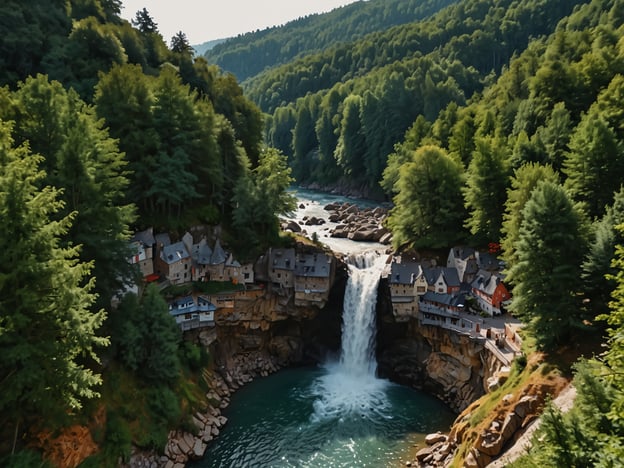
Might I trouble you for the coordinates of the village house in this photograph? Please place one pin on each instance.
(174, 263)
(247, 273)
(312, 278)
(490, 292)
(200, 255)
(281, 269)
(216, 266)
(441, 307)
(192, 312)
(142, 245)
(407, 282)
(442, 280)
(464, 260)
(232, 270)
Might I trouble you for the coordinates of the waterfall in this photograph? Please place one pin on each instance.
(358, 316)
(350, 388)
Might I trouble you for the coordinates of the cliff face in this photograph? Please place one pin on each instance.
(272, 328)
(453, 367)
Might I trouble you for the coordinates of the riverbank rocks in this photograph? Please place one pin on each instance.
(183, 446)
(359, 224)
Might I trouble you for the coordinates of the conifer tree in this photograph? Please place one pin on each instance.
(546, 275)
(523, 183)
(47, 330)
(487, 179)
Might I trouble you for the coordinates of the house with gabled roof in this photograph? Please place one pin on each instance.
(281, 269)
(464, 260)
(216, 266)
(490, 291)
(142, 247)
(407, 282)
(232, 270)
(312, 278)
(442, 280)
(174, 262)
(192, 312)
(200, 255)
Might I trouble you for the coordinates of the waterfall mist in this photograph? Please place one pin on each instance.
(350, 387)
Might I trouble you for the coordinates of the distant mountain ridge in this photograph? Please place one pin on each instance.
(201, 49)
(249, 54)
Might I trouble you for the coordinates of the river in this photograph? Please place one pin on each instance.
(338, 414)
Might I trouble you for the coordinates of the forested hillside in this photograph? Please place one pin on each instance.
(339, 113)
(249, 54)
(104, 130)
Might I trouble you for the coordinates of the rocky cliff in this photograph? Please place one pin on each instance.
(261, 334)
(455, 368)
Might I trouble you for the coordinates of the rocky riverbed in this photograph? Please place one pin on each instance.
(344, 220)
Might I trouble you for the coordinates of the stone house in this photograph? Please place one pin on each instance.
(464, 260)
(232, 270)
(200, 255)
(247, 273)
(216, 266)
(142, 246)
(407, 282)
(490, 292)
(174, 262)
(192, 312)
(442, 280)
(312, 278)
(281, 269)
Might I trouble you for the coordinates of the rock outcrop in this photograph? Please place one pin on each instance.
(359, 224)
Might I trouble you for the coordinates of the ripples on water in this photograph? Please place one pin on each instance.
(313, 417)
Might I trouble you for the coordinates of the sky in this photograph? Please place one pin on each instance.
(205, 20)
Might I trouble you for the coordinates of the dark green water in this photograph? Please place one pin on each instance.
(323, 417)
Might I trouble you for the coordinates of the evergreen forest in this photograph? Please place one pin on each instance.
(484, 122)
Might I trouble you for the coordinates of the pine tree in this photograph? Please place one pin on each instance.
(487, 179)
(546, 276)
(523, 183)
(47, 331)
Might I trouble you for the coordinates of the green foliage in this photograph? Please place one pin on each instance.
(249, 54)
(428, 208)
(523, 183)
(48, 333)
(546, 275)
(259, 197)
(595, 164)
(85, 162)
(118, 437)
(24, 459)
(146, 337)
(487, 179)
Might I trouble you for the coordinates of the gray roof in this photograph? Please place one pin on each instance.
(145, 237)
(174, 253)
(487, 261)
(163, 238)
(218, 254)
(232, 262)
(282, 259)
(454, 300)
(450, 275)
(404, 273)
(315, 265)
(203, 254)
(460, 253)
(187, 305)
(486, 282)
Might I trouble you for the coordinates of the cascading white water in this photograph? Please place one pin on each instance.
(350, 387)
(358, 316)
